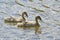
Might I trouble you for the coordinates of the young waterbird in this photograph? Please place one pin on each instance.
(31, 24)
(16, 20)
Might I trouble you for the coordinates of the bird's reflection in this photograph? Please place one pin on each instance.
(37, 31)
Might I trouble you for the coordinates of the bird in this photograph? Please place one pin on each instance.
(31, 24)
(16, 20)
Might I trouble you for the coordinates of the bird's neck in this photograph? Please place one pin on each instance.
(37, 21)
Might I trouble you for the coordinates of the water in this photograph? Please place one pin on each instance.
(49, 10)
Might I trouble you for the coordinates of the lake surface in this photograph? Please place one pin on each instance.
(49, 10)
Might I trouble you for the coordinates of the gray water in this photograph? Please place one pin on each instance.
(49, 10)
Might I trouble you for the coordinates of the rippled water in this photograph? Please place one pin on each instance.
(49, 10)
